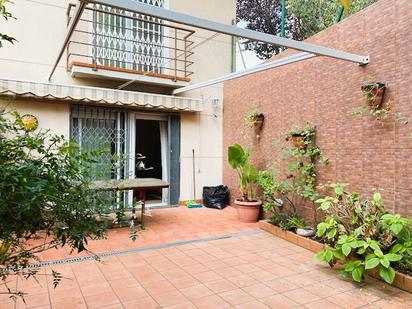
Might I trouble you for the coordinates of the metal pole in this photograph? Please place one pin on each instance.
(72, 26)
(340, 14)
(201, 23)
(282, 24)
(262, 67)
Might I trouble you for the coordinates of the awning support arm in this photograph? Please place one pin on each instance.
(197, 22)
(259, 68)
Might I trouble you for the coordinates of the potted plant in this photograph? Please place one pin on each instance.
(248, 207)
(301, 137)
(373, 93)
(255, 119)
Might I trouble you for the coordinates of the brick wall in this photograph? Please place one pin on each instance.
(362, 151)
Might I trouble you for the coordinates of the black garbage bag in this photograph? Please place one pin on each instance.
(216, 197)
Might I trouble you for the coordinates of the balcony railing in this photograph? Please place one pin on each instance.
(111, 39)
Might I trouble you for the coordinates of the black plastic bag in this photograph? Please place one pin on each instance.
(216, 197)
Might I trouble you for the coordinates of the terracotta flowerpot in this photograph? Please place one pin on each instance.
(298, 141)
(248, 212)
(377, 92)
(258, 124)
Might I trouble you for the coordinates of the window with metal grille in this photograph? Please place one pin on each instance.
(132, 41)
(101, 129)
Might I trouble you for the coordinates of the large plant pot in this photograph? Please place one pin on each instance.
(248, 212)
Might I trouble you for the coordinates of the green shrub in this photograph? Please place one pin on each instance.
(362, 235)
(45, 196)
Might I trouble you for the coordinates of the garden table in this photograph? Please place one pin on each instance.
(138, 185)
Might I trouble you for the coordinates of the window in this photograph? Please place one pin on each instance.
(133, 42)
(101, 129)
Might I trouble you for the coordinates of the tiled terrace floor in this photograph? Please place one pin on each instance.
(248, 270)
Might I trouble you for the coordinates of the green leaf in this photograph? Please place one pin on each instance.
(331, 234)
(385, 262)
(321, 229)
(393, 257)
(346, 249)
(357, 274)
(372, 263)
(236, 156)
(387, 274)
(396, 228)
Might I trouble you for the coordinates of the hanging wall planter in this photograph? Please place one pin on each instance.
(298, 141)
(373, 93)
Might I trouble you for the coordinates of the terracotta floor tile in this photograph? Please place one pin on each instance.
(301, 296)
(259, 290)
(242, 280)
(236, 297)
(159, 287)
(130, 294)
(249, 272)
(221, 285)
(279, 301)
(346, 300)
(33, 300)
(281, 285)
(184, 282)
(73, 304)
(252, 305)
(196, 291)
(142, 303)
(99, 300)
(170, 298)
(94, 289)
(211, 302)
(207, 276)
(185, 305)
(322, 303)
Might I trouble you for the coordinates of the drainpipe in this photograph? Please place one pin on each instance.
(340, 14)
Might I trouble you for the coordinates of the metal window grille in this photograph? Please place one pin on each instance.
(103, 130)
(128, 43)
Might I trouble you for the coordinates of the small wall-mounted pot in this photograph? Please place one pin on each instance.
(298, 141)
(258, 124)
(373, 94)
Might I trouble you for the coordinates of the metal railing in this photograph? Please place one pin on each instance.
(111, 39)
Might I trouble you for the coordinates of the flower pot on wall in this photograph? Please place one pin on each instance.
(298, 141)
(373, 94)
(248, 212)
(258, 124)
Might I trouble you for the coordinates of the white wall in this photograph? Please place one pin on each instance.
(40, 29)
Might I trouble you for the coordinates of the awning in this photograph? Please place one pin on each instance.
(82, 94)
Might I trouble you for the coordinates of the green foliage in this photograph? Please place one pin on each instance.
(45, 196)
(251, 118)
(6, 15)
(362, 235)
(315, 15)
(287, 221)
(303, 162)
(239, 159)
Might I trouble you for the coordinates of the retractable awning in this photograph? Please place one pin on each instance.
(82, 94)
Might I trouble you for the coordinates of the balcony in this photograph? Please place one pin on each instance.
(112, 44)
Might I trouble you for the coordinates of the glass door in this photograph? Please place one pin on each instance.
(150, 149)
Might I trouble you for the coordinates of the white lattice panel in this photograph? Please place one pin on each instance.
(127, 43)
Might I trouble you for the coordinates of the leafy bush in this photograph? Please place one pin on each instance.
(362, 235)
(287, 221)
(45, 199)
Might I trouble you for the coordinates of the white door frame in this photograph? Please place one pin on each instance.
(133, 116)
